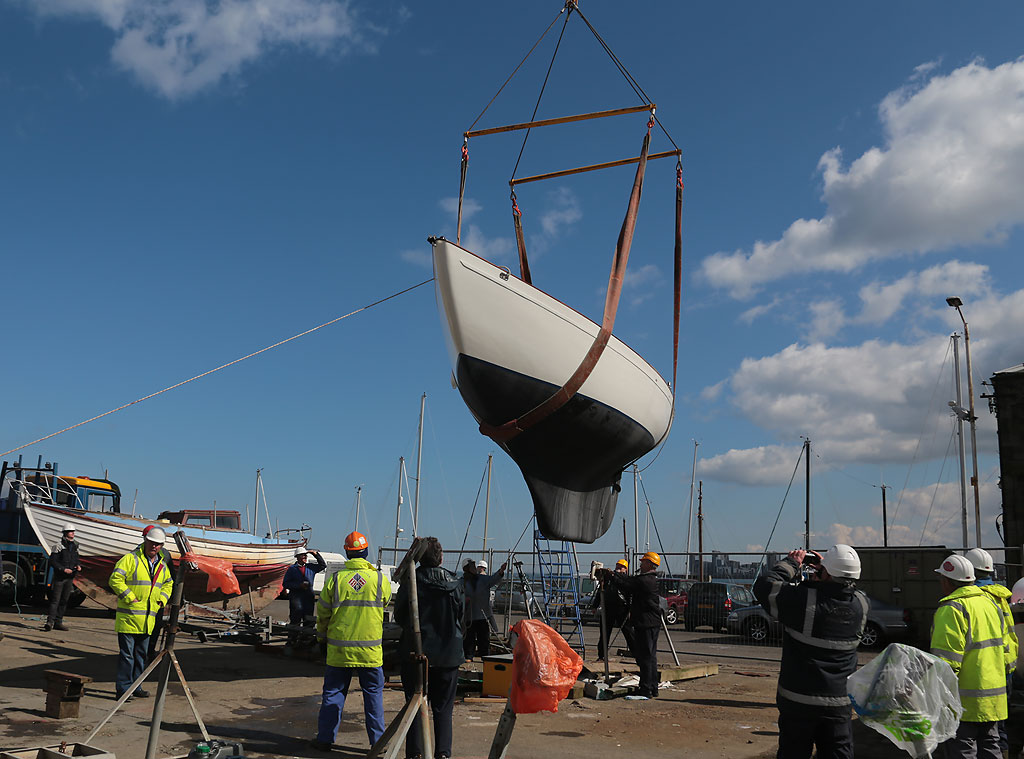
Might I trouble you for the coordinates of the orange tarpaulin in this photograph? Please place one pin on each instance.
(219, 572)
(544, 668)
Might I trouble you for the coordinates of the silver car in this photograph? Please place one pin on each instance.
(885, 623)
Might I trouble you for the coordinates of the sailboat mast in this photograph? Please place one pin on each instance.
(807, 494)
(256, 503)
(419, 465)
(398, 508)
(689, 516)
(636, 514)
(359, 494)
(487, 502)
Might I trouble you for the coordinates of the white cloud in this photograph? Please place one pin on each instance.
(880, 302)
(756, 312)
(417, 257)
(641, 283)
(827, 318)
(181, 47)
(562, 211)
(877, 402)
(764, 465)
(951, 172)
(469, 207)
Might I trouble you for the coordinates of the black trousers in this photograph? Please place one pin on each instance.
(60, 592)
(441, 685)
(627, 634)
(833, 736)
(478, 639)
(645, 651)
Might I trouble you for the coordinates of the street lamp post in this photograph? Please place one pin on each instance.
(956, 303)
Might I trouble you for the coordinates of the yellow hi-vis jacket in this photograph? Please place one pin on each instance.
(1001, 596)
(140, 592)
(967, 633)
(350, 615)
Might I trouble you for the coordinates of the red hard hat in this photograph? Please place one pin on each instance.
(356, 541)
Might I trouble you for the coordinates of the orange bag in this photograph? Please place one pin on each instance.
(544, 668)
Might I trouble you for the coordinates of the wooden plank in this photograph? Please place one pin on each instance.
(688, 672)
(559, 120)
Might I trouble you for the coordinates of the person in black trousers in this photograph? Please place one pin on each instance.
(617, 605)
(644, 618)
(441, 605)
(64, 561)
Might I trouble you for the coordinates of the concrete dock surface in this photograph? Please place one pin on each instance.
(269, 704)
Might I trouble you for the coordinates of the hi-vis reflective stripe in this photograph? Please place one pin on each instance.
(803, 698)
(137, 612)
(125, 594)
(812, 605)
(354, 643)
(943, 654)
(863, 601)
(133, 581)
(990, 643)
(835, 645)
(983, 692)
(120, 572)
(773, 606)
(354, 602)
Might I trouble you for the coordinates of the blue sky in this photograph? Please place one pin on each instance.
(186, 182)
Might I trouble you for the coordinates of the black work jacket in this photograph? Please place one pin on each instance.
(642, 589)
(441, 605)
(822, 623)
(64, 557)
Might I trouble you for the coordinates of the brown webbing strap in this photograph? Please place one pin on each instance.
(524, 264)
(678, 279)
(462, 187)
(542, 411)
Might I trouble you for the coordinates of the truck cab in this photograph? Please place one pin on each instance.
(23, 561)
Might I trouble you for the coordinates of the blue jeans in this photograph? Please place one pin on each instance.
(131, 660)
(336, 682)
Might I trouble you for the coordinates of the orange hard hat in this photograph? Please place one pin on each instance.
(653, 557)
(356, 541)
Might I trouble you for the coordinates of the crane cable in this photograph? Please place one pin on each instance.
(222, 366)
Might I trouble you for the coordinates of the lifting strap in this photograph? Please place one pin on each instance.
(524, 264)
(510, 429)
(678, 276)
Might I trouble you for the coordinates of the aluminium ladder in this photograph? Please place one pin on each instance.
(558, 575)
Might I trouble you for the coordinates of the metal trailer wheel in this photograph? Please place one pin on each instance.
(12, 580)
(671, 615)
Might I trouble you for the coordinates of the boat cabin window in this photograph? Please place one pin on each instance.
(200, 520)
(229, 521)
(102, 502)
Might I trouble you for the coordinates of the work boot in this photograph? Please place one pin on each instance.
(320, 745)
(139, 693)
(47, 627)
(60, 626)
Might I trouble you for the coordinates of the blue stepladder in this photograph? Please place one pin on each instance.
(556, 561)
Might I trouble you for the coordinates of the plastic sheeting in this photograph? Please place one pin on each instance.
(544, 668)
(909, 696)
(219, 573)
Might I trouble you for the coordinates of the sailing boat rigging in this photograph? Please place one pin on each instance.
(571, 404)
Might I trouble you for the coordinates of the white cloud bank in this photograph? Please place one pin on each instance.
(951, 173)
(181, 47)
(865, 403)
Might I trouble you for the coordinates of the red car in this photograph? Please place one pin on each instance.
(673, 590)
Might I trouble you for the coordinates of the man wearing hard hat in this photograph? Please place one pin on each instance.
(142, 582)
(968, 634)
(616, 606)
(823, 620)
(64, 562)
(298, 581)
(644, 617)
(350, 625)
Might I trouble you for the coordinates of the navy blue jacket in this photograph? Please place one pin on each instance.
(442, 603)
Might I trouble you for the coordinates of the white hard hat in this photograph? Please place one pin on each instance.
(1018, 592)
(300, 550)
(481, 564)
(155, 535)
(842, 561)
(958, 568)
(981, 559)
(68, 527)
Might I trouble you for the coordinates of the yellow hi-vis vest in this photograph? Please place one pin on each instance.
(1001, 596)
(350, 615)
(967, 633)
(140, 592)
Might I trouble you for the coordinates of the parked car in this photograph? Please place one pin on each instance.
(674, 591)
(711, 603)
(885, 623)
(590, 612)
